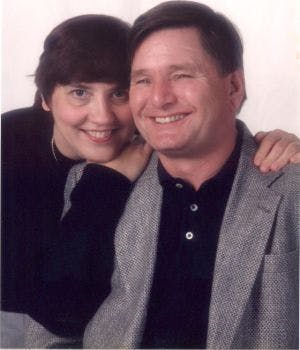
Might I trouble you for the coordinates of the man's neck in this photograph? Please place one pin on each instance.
(197, 170)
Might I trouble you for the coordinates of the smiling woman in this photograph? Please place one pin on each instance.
(81, 112)
(92, 121)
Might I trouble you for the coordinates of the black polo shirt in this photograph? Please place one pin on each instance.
(178, 308)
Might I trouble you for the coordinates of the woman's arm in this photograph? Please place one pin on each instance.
(277, 148)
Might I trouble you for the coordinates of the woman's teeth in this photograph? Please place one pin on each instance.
(99, 134)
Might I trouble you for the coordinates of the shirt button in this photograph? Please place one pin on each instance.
(194, 207)
(189, 235)
(179, 185)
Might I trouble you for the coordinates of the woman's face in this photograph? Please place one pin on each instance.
(92, 121)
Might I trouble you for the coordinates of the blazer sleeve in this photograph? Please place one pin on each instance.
(39, 337)
(73, 178)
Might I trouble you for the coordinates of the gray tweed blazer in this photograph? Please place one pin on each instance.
(254, 302)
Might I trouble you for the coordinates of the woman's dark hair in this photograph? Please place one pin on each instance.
(219, 37)
(88, 48)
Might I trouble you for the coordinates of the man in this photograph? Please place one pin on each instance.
(206, 250)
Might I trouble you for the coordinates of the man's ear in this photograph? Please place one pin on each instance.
(237, 90)
(45, 105)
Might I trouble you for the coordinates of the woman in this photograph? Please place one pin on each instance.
(82, 79)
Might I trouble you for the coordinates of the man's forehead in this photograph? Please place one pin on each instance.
(171, 48)
(167, 40)
(173, 33)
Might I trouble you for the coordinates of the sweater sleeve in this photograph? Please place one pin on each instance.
(99, 189)
(76, 271)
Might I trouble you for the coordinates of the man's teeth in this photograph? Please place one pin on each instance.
(170, 119)
(99, 134)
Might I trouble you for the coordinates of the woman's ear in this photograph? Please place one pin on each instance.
(45, 105)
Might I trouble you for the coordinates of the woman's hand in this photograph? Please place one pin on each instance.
(277, 148)
(132, 160)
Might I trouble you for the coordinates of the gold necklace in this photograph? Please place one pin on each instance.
(53, 149)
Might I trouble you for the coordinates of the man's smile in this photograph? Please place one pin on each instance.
(169, 119)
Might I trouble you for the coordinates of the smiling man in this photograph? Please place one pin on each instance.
(206, 251)
(183, 103)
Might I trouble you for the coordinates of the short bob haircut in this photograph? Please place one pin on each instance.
(219, 37)
(88, 48)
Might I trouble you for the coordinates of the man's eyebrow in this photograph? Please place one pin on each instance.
(185, 66)
(137, 73)
(193, 67)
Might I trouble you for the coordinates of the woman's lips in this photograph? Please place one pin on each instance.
(99, 136)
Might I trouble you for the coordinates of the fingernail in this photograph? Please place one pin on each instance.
(257, 161)
(264, 169)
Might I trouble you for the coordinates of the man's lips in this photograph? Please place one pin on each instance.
(167, 119)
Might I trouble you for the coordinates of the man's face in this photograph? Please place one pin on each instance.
(181, 104)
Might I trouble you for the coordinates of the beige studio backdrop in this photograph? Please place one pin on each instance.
(270, 31)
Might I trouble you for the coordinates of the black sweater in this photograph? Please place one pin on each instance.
(48, 267)
(32, 200)
(77, 270)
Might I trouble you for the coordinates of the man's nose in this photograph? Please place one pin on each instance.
(162, 94)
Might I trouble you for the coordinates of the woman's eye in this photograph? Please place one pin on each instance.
(120, 95)
(79, 93)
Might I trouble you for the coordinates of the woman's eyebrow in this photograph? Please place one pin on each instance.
(80, 85)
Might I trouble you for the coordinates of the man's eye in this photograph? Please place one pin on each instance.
(144, 81)
(181, 76)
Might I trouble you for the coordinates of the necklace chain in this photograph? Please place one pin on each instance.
(53, 149)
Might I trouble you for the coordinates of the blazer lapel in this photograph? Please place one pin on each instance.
(119, 320)
(137, 233)
(243, 238)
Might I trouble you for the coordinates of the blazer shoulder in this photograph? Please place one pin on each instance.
(284, 181)
(287, 185)
(289, 179)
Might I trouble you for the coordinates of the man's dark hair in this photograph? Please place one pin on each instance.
(219, 37)
(88, 48)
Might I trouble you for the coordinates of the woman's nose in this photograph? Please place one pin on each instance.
(101, 111)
